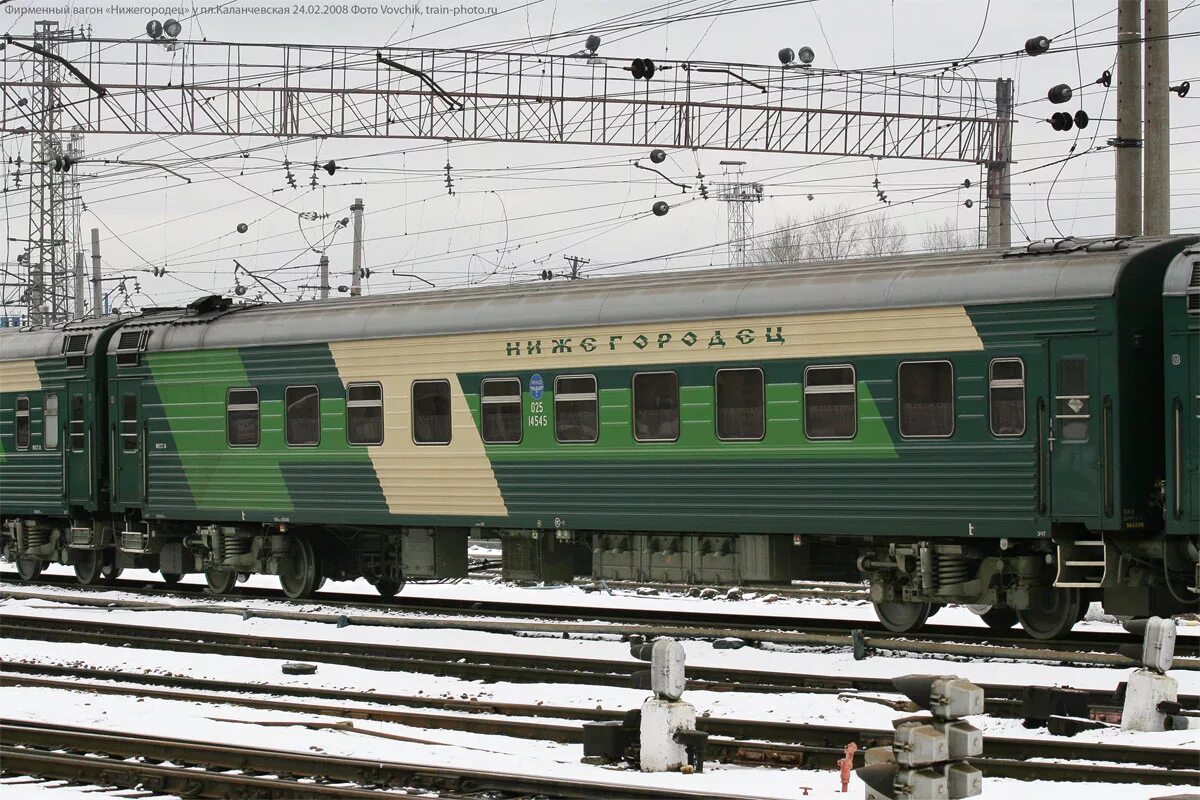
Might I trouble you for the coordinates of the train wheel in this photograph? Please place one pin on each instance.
(998, 619)
(171, 578)
(303, 574)
(88, 564)
(220, 581)
(111, 572)
(29, 568)
(1054, 618)
(901, 616)
(388, 587)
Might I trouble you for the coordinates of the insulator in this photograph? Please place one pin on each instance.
(658, 155)
(660, 208)
(1081, 119)
(1037, 45)
(242, 227)
(1060, 94)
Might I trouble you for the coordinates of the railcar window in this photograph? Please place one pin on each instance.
(501, 410)
(302, 416)
(830, 402)
(656, 407)
(364, 413)
(22, 417)
(129, 423)
(741, 404)
(77, 432)
(241, 418)
(576, 409)
(431, 412)
(50, 422)
(926, 390)
(1074, 402)
(1006, 396)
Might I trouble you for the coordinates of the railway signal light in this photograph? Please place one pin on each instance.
(61, 163)
(926, 761)
(666, 674)
(1157, 650)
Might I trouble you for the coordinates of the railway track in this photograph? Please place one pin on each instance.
(199, 769)
(1080, 648)
(734, 741)
(1002, 700)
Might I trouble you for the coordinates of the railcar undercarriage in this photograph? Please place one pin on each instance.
(1045, 585)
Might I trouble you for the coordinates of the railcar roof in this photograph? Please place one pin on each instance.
(25, 343)
(1050, 270)
(1055, 270)
(1181, 274)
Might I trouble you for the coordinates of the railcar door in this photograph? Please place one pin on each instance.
(79, 446)
(128, 446)
(1075, 441)
(1190, 433)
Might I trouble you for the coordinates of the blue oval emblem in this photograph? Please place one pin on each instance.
(536, 386)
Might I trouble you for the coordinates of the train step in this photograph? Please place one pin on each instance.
(1082, 564)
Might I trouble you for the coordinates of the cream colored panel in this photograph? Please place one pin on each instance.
(427, 479)
(458, 478)
(19, 376)
(910, 330)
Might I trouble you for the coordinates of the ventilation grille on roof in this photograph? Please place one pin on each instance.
(1193, 290)
(130, 347)
(75, 348)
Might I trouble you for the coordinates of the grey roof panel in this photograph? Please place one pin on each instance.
(1179, 274)
(1070, 269)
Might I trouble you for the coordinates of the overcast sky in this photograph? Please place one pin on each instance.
(503, 225)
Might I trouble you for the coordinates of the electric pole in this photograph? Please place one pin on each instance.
(739, 196)
(576, 262)
(1128, 143)
(97, 287)
(324, 276)
(1157, 179)
(999, 180)
(356, 276)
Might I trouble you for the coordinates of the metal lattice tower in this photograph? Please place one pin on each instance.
(739, 197)
(50, 289)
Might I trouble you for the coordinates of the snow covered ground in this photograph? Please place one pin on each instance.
(233, 724)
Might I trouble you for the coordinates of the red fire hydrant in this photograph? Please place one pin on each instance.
(847, 764)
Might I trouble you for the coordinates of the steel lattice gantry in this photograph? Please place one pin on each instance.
(230, 89)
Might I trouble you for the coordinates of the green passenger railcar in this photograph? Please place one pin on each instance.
(1181, 371)
(980, 428)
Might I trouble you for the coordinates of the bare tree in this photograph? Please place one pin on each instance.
(943, 237)
(821, 237)
(879, 236)
(833, 235)
(787, 244)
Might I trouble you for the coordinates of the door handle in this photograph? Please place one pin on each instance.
(1051, 440)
